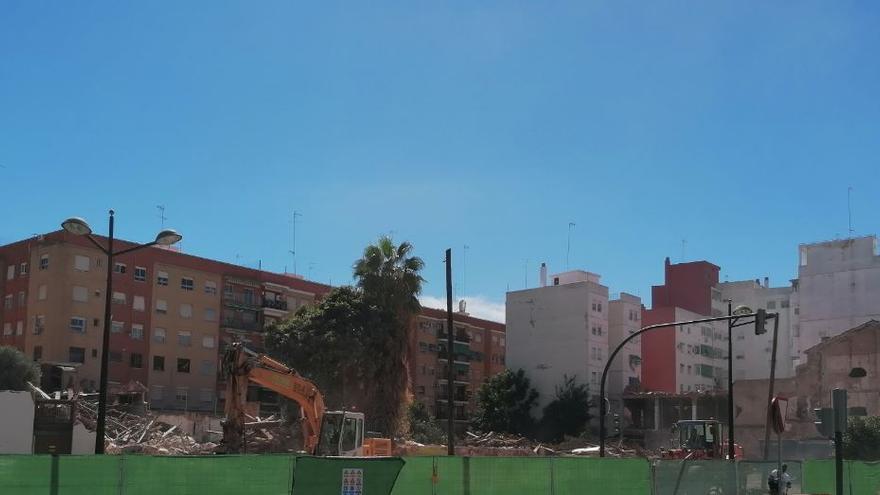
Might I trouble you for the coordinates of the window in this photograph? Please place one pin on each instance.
(159, 335)
(137, 331)
(38, 352)
(157, 392)
(78, 324)
(421, 390)
(23, 270)
(184, 338)
(594, 306)
(161, 306)
(44, 262)
(598, 353)
(181, 394)
(42, 293)
(39, 324)
(207, 368)
(797, 310)
(740, 356)
(771, 304)
(600, 307)
(119, 267)
(158, 363)
(81, 263)
(186, 310)
(249, 296)
(210, 314)
(80, 294)
(10, 272)
(228, 293)
(119, 297)
(206, 395)
(19, 327)
(7, 328)
(76, 354)
(136, 360)
(162, 278)
(117, 327)
(140, 274)
(137, 303)
(690, 349)
(182, 365)
(211, 287)
(690, 370)
(593, 330)
(784, 303)
(187, 283)
(208, 342)
(22, 299)
(7, 301)
(681, 368)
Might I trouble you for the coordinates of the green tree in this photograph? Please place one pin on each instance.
(568, 413)
(423, 428)
(504, 404)
(861, 441)
(16, 370)
(353, 343)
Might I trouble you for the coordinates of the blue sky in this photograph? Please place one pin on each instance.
(485, 124)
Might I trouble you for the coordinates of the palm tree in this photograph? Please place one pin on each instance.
(390, 277)
(390, 280)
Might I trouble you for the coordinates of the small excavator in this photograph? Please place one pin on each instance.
(325, 433)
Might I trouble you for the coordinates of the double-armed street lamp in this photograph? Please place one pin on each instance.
(78, 226)
(735, 318)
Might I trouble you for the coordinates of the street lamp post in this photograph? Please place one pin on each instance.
(80, 227)
(740, 312)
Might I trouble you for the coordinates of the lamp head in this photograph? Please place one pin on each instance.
(76, 226)
(168, 237)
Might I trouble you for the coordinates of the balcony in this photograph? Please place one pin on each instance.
(240, 324)
(279, 305)
(460, 336)
(458, 357)
(242, 301)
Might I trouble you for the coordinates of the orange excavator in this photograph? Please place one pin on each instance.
(325, 433)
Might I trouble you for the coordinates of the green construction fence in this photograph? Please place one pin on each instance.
(293, 475)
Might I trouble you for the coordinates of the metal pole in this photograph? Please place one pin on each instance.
(731, 451)
(450, 375)
(838, 402)
(772, 383)
(105, 350)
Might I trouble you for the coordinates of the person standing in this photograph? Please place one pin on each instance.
(779, 484)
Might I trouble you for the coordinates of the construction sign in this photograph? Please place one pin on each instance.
(352, 482)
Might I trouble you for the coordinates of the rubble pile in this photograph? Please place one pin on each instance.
(270, 435)
(129, 433)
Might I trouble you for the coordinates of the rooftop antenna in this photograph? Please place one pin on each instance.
(162, 216)
(292, 249)
(568, 245)
(849, 209)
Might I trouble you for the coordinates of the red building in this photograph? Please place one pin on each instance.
(686, 358)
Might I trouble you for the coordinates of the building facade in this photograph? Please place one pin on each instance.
(172, 313)
(838, 288)
(685, 358)
(478, 354)
(625, 319)
(752, 353)
(558, 331)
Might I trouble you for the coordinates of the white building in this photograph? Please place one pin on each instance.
(624, 319)
(752, 353)
(559, 330)
(701, 354)
(838, 288)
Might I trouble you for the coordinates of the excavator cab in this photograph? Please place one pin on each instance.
(342, 434)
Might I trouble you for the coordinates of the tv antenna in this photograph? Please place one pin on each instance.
(292, 249)
(162, 216)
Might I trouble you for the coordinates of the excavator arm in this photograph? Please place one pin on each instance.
(242, 366)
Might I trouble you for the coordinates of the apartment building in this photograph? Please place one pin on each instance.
(478, 354)
(624, 319)
(752, 353)
(557, 331)
(171, 314)
(685, 358)
(838, 288)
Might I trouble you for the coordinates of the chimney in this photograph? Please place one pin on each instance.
(543, 274)
(766, 282)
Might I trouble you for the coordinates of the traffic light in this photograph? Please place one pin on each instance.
(617, 424)
(824, 421)
(760, 322)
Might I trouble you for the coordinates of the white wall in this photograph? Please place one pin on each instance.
(83, 442)
(624, 319)
(549, 335)
(17, 427)
(838, 288)
(752, 353)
